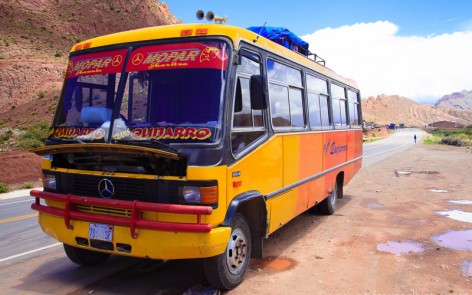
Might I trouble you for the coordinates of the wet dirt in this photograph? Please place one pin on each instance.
(339, 254)
(467, 268)
(274, 264)
(374, 205)
(401, 248)
(457, 215)
(456, 240)
(461, 202)
(439, 190)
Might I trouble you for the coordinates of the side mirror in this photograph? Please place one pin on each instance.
(258, 97)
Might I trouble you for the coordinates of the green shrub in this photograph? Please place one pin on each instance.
(41, 94)
(33, 137)
(6, 136)
(3, 187)
(27, 186)
(29, 143)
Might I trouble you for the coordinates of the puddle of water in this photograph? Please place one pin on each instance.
(399, 248)
(374, 205)
(403, 172)
(456, 240)
(461, 202)
(439, 190)
(276, 263)
(467, 268)
(457, 215)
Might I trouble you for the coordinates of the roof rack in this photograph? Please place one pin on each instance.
(286, 38)
(317, 59)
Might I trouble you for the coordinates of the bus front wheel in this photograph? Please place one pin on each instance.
(227, 270)
(85, 257)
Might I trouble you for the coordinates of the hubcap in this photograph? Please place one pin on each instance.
(236, 251)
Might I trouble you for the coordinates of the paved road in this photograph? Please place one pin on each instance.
(23, 243)
(398, 142)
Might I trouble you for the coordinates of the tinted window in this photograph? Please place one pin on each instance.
(248, 124)
(296, 108)
(279, 72)
(324, 107)
(279, 105)
(353, 107)
(316, 84)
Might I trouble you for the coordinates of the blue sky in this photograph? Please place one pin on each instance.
(414, 17)
(419, 49)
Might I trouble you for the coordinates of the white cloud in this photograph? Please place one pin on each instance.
(423, 68)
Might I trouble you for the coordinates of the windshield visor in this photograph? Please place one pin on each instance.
(170, 93)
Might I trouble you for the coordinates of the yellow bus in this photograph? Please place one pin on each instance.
(193, 141)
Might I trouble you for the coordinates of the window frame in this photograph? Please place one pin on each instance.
(320, 95)
(288, 86)
(250, 54)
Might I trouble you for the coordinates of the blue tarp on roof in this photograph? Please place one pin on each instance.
(283, 37)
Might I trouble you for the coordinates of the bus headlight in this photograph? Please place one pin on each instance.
(191, 194)
(49, 182)
(205, 195)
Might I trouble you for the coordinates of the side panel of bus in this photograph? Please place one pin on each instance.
(291, 160)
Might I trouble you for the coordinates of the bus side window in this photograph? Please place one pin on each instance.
(353, 101)
(285, 95)
(248, 123)
(339, 105)
(318, 101)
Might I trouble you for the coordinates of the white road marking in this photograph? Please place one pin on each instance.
(30, 252)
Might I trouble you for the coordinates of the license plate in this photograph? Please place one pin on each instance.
(102, 232)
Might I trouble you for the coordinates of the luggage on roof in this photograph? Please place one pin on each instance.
(284, 37)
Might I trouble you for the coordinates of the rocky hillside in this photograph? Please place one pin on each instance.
(458, 100)
(384, 109)
(36, 36)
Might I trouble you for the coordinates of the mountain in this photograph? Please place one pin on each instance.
(384, 109)
(35, 39)
(458, 100)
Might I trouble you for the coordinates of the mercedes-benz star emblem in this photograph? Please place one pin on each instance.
(106, 189)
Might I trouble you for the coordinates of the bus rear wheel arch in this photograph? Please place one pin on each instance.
(328, 205)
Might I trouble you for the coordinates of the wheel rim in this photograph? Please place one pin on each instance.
(236, 253)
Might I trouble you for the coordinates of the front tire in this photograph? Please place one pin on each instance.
(85, 257)
(227, 270)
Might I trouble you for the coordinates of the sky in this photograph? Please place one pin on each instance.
(420, 49)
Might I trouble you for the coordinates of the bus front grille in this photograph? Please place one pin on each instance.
(127, 189)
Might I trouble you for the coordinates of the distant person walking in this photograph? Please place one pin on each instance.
(414, 137)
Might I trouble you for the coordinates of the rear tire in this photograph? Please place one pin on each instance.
(227, 270)
(328, 205)
(85, 257)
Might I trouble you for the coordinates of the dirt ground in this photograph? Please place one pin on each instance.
(19, 168)
(386, 237)
(390, 234)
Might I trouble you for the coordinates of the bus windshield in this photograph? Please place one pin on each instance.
(167, 92)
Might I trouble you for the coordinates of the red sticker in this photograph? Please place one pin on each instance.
(108, 62)
(172, 56)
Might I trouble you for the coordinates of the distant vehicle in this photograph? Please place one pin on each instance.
(392, 126)
(402, 125)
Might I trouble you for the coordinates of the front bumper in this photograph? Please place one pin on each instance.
(133, 234)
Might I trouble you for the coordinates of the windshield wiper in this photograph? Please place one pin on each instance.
(149, 141)
(66, 140)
